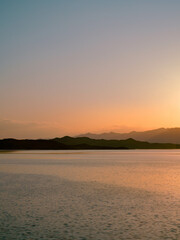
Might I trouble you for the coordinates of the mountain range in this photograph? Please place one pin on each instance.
(67, 142)
(160, 135)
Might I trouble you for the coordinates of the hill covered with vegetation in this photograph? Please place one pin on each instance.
(80, 143)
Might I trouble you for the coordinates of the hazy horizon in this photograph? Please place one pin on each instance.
(41, 133)
(71, 67)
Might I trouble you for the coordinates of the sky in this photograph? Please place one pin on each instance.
(73, 66)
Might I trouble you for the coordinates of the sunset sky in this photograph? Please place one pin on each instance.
(74, 66)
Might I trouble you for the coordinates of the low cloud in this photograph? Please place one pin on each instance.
(125, 129)
(120, 129)
(17, 129)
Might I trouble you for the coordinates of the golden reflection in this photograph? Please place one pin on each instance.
(149, 170)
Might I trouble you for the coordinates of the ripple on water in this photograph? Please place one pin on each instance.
(45, 207)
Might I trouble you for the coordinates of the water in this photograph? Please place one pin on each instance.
(84, 195)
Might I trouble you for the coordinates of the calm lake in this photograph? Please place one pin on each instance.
(111, 194)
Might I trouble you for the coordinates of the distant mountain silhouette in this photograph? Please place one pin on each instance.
(161, 135)
(80, 143)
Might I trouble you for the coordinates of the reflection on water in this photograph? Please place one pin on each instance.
(90, 194)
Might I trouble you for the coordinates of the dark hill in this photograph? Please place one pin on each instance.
(30, 144)
(114, 144)
(81, 143)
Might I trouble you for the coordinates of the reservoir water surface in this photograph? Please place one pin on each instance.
(111, 194)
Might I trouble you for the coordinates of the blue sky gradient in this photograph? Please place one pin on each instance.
(77, 66)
